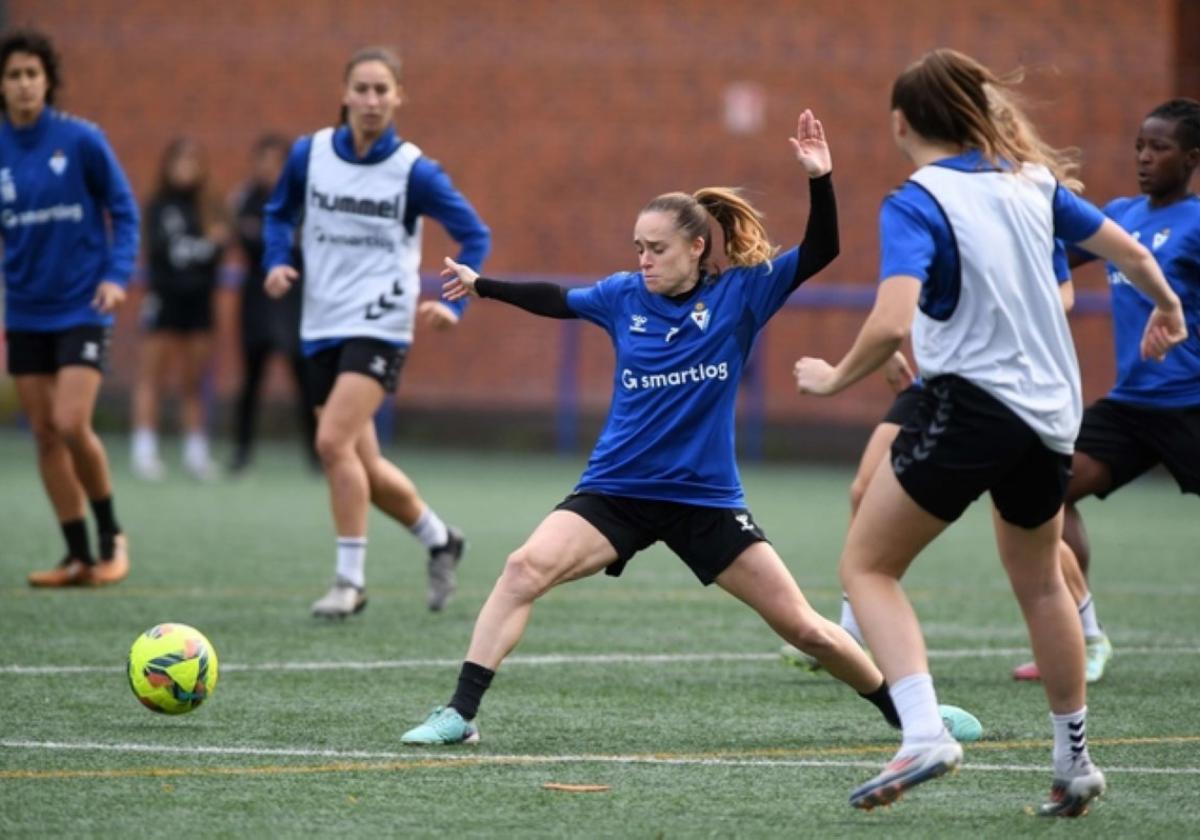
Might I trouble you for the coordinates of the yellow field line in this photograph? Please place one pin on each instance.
(426, 763)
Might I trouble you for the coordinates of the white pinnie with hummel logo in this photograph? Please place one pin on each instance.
(361, 266)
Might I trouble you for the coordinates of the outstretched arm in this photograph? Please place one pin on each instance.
(880, 337)
(546, 299)
(820, 244)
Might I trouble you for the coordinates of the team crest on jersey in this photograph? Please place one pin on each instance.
(1160, 239)
(700, 316)
(637, 323)
(8, 190)
(58, 162)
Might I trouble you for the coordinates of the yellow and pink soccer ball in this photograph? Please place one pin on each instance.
(172, 668)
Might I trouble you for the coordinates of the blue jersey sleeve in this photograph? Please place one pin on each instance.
(907, 243)
(283, 209)
(768, 284)
(1075, 218)
(432, 193)
(110, 187)
(595, 303)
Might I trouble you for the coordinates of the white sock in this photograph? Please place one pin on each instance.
(144, 445)
(429, 529)
(1087, 614)
(917, 705)
(195, 448)
(1070, 743)
(352, 560)
(848, 622)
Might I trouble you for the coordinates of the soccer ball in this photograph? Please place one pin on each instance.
(172, 668)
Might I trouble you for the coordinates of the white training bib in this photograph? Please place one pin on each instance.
(361, 267)
(1008, 333)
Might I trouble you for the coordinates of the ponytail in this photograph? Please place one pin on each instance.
(746, 240)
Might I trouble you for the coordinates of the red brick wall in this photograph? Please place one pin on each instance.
(560, 119)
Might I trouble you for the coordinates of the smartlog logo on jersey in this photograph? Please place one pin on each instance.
(693, 375)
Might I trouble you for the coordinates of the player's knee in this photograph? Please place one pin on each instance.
(811, 634)
(45, 435)
(332, 447)
(71, 426)
(526, 574)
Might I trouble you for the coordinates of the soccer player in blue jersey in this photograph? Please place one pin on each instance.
(966, 265)
(358, 193)
(1152, 414)
(64, 274)
(664, 467)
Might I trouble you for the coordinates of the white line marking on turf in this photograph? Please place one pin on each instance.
(584, 758)
(557, 659)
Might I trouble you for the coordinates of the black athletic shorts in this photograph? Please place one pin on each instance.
(32, 353)
(192, 312)
(1130, 439)
(961, 441)
(369, 356)
(903, 406)
(707, 539)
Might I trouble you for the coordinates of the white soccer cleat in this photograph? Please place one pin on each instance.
(343, 599)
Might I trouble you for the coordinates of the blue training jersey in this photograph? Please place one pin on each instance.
(58, 179)
(1173, 235)
(669, 435)
(430, 193)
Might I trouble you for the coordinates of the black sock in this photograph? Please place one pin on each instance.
(473, 680)
(883, 701)
(106, 524)
(76, 535)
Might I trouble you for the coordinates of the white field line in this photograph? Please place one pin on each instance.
(584, 758)
(558, 659)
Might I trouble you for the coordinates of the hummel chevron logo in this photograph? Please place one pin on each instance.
(377, 309)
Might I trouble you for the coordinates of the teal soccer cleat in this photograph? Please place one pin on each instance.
(961, 724)
(443, 726)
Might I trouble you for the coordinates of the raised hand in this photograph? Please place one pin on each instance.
(809, 144)
(460, 280)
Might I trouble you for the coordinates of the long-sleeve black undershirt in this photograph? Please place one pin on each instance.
(818, 249)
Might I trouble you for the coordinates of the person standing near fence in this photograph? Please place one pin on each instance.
(64, 276)
(966, 265)
(358, 193)
(268, 327)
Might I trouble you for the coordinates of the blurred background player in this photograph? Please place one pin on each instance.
(186, 231)
(1152, 414)
(64, 275)
(268, 326)
(907, 387)
(664, 467)
(966, 244)
(358, 193)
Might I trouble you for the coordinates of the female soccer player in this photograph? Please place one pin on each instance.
(186, 234)
(907, 387)
(664, 466)
(967, 243)
(64, 276)
(361, 192)
(1152, 414)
